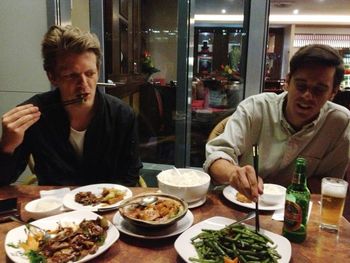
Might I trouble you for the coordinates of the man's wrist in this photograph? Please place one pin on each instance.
(6, 150)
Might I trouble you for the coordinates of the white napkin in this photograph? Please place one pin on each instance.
(56, 193)
(278, 215)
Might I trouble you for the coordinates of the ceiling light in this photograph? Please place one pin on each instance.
(223, 11)
(296, 11)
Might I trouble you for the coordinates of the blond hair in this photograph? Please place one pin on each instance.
(64, 39)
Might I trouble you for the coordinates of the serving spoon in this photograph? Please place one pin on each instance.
(145, 201)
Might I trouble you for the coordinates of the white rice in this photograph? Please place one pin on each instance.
(190, 178)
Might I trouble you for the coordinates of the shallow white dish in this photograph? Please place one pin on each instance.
(18, 234)
(230, 193)
(145, 233)
(69, 199)
(44, 207)
(273, 194)
(186, 250)
(197, 203)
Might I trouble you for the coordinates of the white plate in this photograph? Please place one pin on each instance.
(197, 203)
(18, 234)
(69, 199)
(146, 233)
(230, 194)
(186, 250)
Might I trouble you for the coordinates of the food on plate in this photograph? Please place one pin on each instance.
(228, 260)
(234, 241)
(66, 243)
(108, 196)
(161, 210)
(242, 198)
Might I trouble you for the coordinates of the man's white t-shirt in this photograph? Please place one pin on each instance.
(76, 138)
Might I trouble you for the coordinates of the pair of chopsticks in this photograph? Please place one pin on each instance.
(79, 99)
(256, 168)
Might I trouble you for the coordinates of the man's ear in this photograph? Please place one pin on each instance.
(286, 84)
(51, 78)
(334, 92)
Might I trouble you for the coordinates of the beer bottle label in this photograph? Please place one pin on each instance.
(292, 216)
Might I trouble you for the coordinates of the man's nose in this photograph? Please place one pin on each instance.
(82, 79)
(308, 93)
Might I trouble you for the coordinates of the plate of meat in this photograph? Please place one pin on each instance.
(95, 196)
(76, 236)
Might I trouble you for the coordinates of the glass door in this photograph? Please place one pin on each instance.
(181, 71)
(218, 79)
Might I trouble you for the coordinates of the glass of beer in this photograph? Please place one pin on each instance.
(332, 202)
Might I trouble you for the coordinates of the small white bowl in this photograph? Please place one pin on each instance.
(273, 194)
(191, 185)
(43, 207)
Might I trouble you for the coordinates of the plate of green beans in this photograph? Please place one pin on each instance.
(217, 238)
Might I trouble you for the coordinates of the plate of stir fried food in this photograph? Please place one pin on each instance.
(220, 240)
(166, 210)
(236, 197)
(93, 197)
(76, 236)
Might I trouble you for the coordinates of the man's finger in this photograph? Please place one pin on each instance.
(18, 109)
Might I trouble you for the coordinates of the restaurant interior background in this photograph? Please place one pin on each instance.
(182, 65)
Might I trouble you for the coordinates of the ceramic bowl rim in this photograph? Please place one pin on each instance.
(150, 224)
(31, 203)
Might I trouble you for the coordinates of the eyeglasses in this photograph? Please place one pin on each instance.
(317, 91)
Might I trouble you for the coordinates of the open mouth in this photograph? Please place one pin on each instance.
(304, 106)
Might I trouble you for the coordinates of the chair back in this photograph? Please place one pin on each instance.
(218, 129)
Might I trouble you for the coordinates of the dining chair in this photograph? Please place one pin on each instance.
(218, 129)
(30, 179)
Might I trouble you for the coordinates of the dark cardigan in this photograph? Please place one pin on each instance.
(110, 147)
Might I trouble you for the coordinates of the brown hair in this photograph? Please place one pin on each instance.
(62, 39)
(321, 55)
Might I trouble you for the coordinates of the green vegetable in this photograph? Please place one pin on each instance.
(233, 241)
(12, 245)
(35, 257)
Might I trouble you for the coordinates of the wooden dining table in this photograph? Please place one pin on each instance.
(320, 246)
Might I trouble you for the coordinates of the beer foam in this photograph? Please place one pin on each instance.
(334, 190)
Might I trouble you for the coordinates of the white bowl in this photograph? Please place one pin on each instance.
(43, 207)
(273, 194)
(191, 185)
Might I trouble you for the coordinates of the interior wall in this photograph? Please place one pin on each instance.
(21, 71)
(22, 26)
(287, 49)
(322, 29)
(80, 14)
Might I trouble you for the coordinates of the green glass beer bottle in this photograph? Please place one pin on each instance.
(297, 205)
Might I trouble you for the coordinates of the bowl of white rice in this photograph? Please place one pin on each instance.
(43, 207)
(189, 184)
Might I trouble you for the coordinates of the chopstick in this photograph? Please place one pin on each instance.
(73, 101)
(256, 168)
(80, 98)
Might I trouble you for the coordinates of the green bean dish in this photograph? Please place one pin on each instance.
(234, 241)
